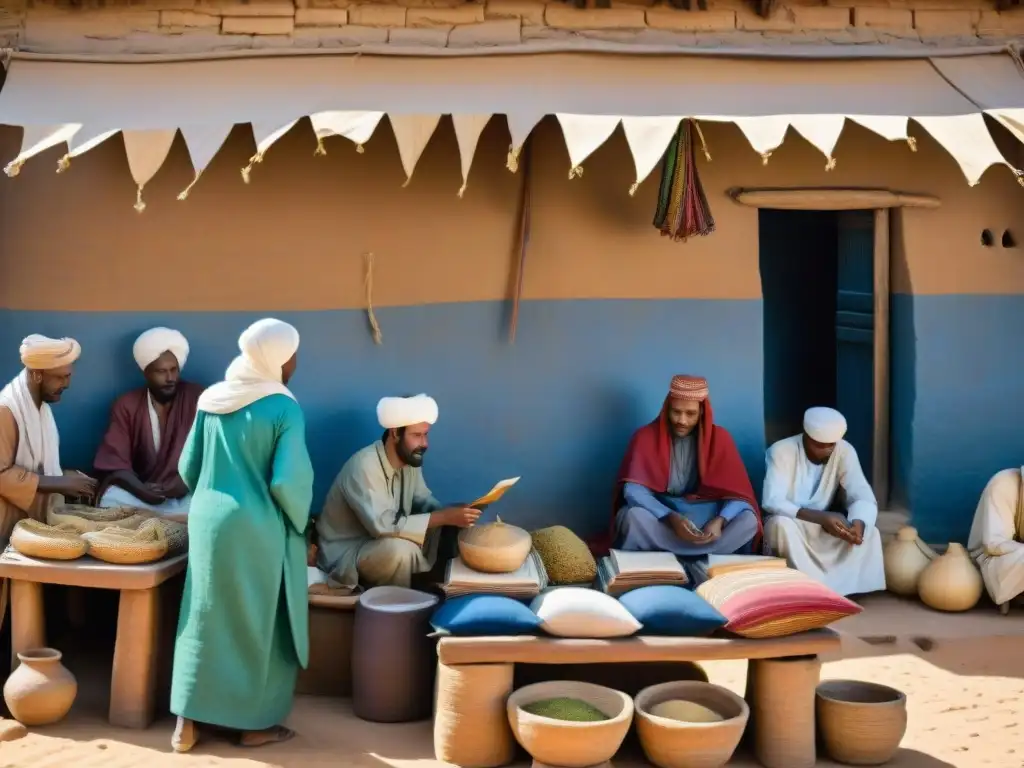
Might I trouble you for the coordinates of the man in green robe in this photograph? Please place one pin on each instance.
(380, 523)
(243, 629)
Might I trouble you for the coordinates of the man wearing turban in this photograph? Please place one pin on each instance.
(821, 509)
(380, 523)
(138, 458)
(682, 487)
(30, 470)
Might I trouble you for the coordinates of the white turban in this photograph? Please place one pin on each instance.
(397, 412)
(40, 353)
(824, 425)
(154, 342)
(266, 346)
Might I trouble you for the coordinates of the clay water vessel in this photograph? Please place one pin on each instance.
(41, 690)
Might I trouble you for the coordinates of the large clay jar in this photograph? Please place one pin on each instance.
(905, 558)
(41, 690)
(951, 582)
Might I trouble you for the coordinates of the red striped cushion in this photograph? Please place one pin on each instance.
(774, 602)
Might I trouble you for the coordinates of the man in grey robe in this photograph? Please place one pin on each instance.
(380, 523)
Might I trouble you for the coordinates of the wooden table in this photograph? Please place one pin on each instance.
(133, 681)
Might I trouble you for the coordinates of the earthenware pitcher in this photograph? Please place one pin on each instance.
(41, 690)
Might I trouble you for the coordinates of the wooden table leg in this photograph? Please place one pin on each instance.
(133, 682)
(781, 697)
(28, 626)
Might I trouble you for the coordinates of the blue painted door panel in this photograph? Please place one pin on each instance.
(855, 332)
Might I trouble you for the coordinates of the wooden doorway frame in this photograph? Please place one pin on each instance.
(882, 202)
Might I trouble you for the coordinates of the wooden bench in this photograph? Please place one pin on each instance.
(133, 681)
(475, 677)
(331, 620)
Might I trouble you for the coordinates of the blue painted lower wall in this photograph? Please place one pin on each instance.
(557, 407)
(957, 394)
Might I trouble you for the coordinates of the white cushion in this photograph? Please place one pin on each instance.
(580, 612)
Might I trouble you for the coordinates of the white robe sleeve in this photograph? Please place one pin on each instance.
(780, 463)
(860, 499)
(368, 496)
(994, 525)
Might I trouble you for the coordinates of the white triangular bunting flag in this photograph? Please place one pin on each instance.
(357, 127)
(765, 134)
(648, 138)
(146, 151)
(467, 133)
(412, 134)
(203, 142)
(822, 131)
(583, 135)
(967, 139)
(891, 127)
(88, 137)
(264, 134)
(36, 139)
(519, 127)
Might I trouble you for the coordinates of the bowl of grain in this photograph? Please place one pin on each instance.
(569, 724)
(689, 724)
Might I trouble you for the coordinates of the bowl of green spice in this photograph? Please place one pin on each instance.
(569, 724)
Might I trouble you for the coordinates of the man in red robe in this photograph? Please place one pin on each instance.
(682, 487)
(138, 458)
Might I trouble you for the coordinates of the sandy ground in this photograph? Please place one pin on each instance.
(963, 676)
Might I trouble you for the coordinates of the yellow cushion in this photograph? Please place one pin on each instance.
(566, 557)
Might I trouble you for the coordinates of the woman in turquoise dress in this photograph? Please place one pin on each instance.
(243, 628)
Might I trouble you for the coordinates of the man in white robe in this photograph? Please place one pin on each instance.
(996, 536)
(808, 476)
(380, 523)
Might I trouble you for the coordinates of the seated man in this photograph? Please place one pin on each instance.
(138, 458)
(380, 524)
(996, 536)
(810, 475)
(30, 471)
(682, 485)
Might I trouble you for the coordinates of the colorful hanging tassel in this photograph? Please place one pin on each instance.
(683, 210)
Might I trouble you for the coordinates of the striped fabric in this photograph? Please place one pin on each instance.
(689, 387)
(774, 602)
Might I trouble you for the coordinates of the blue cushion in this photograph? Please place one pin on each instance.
(668, 610)
(479, 615)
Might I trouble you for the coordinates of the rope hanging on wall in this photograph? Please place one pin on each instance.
(378, 336)
(683, 210)
(524, 241)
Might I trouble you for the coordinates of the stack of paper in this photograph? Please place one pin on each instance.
(622, 571)
(522, 584)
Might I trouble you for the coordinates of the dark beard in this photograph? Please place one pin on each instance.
(162, 396)
(412, 458)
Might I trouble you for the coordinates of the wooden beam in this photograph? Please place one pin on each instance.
(881, 435)
(830, 199)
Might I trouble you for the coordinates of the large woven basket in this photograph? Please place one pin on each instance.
(861, 723)
(570, 744)
(121, 547)
(85, 519)
(34, 539)
(676, 744)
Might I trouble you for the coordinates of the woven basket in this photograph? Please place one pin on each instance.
(470, 725)
(564, 743)
(34, 539)
(175, 533)
(676, 744)
(860, 723)
(86, 519)
(121, 547)
(494, 547)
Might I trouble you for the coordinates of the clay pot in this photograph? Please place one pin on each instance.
(905, 559)
(41, 690)
(494, 547)
(951, 582)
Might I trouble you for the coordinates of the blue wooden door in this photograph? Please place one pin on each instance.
(855, 332)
